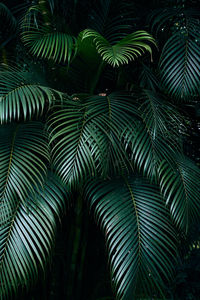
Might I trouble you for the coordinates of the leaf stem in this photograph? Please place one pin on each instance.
(97, 77)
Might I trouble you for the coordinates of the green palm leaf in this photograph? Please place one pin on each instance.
(124, 50)
(180, 61)
(40, 35)
(139, 237)
(85, 137)
(26, 238)
(160, 116)
(24, 156)
(58, 46)
(180, 186)
(20, 96)
(70, 140)
(111, 115)
(148, 151)
(154, 136)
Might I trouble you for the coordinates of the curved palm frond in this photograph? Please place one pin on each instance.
(160, 116)
(180, 186)
(124, 50)
(27, 237)
(139, 237)
(58, 46)
(42, 38)
(85, 137)
(154, 137)
(180, 61)
(110, 115)
(24, 156)
(148, 151)
(20, 97)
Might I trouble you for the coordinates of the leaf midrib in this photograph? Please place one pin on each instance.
(137, 219)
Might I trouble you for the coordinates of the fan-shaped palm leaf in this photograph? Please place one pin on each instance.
(181, 186)
(124, 50)
(180, 62)
(24, 155)
(20, 97)
(139, 237)
(70, 137)
(26, 238)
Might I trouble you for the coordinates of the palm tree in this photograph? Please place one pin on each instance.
(88, 113)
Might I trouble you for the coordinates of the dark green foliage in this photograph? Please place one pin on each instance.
(125, 209)
(98, 105)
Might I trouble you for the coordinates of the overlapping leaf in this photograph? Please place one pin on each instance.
(42, 42)
(40, 35)
(161, 117)
(85, 137)
(148, 151)
(180, 62)
(27, 237)
(139, 237)
(24, 157)
(153, 138)
(181, 186)
(20, 96)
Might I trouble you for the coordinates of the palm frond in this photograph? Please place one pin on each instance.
(124, 50)
(110, 115)
(70, 140)
(20, 96)
(43, 39)
(154, 137)
(85, 137)
(58, 46)
(159, 115)
(27, 238)
(24, 157)
(139, 236)
(180, 61)
(180, 186)
(148, 151)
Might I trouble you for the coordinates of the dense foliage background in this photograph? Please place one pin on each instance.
(100, 122)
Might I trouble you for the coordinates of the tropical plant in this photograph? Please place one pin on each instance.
(91, 119)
